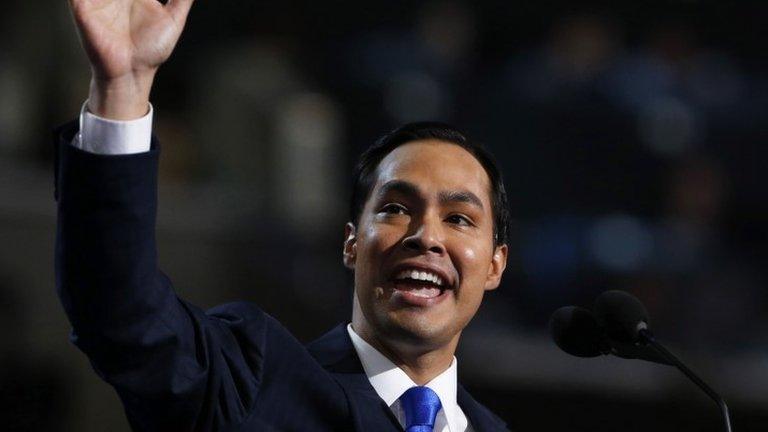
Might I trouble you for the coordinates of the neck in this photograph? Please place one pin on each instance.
(422, 361)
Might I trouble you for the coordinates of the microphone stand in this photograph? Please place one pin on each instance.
(647, 338)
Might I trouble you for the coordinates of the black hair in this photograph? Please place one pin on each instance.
(365, 171)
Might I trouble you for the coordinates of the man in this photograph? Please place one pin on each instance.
(426, 239)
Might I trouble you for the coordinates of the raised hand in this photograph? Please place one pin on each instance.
(126, 42)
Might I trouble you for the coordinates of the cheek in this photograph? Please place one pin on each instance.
(474, 261)
(472, 257)
(372, 246)
(378, 238)
(369, 245)
(469, 254)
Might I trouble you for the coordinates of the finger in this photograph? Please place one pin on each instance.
(74, 5)
(179, 9)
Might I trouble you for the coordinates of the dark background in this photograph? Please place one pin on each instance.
(631, 137)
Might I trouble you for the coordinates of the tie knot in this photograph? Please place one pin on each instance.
(421, 405)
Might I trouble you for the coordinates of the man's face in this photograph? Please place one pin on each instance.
(423, 252)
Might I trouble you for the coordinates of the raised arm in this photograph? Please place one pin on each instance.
(126, 42)
(174, 366)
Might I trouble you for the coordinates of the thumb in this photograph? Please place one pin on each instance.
(179, 9)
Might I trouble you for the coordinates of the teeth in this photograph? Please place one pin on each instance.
(420, 275)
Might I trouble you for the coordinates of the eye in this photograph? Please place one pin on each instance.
(393, 209)
(459, 220)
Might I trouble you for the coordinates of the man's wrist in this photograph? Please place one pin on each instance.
(125, 98)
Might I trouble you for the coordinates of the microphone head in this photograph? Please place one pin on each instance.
(576, 331)
(621, 314)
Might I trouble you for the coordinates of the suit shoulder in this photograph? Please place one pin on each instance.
(237, 311)
(251, 325)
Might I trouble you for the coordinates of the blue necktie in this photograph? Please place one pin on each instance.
(421, 405)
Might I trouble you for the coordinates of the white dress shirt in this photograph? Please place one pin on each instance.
(390, 382)
(111, 137)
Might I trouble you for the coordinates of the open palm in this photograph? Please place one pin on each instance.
(128, 37)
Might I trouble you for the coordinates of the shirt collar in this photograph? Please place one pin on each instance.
(390, 382)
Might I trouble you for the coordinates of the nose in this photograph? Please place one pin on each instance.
(426, 235)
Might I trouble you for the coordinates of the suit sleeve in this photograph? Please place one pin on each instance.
(174, 366)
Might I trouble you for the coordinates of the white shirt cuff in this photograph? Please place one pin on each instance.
(113, 137)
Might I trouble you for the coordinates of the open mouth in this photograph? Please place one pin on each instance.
(419, 285)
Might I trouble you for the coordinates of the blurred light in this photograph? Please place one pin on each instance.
(620, 242)
(637, 80)
(239, 88)
(550, 251)
(14, 108)
(308, 156)
(680, 246)
(448, 29)
(667, 126)
(415, 96)
(582, 46)
(716, 82)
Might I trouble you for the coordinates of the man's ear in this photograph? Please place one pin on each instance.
(350, 245)
(496, 268)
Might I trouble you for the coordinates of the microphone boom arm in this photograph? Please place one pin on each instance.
(647, 338)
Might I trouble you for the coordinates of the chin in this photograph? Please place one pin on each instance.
(418, 330)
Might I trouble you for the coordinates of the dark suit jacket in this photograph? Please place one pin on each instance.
(175, 366)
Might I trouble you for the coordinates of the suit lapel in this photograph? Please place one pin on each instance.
(335, 352)
(481, 419)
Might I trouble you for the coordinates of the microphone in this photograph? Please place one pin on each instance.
(622, 315)
(619, 326)
(578, 332)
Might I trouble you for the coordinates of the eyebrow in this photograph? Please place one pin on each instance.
(460, 196)
(444, 197)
